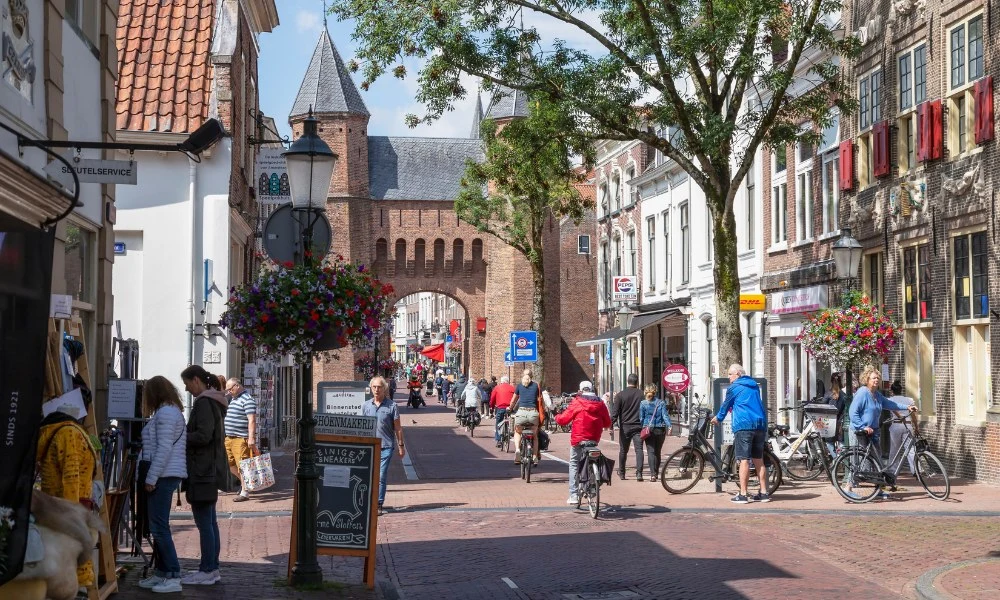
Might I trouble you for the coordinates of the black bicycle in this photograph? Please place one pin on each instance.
(504, 429)
(526, 453)
(683, 469)
(591, 490)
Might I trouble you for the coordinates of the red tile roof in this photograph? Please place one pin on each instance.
(164, 71)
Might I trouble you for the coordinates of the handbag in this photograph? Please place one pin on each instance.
(648, 429)
(257, 472)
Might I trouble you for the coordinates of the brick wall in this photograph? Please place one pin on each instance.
(577, 300)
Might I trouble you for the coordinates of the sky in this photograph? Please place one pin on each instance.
(285, 54)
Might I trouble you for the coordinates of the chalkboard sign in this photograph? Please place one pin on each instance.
(348, 474)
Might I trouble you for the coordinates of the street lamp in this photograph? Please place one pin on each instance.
(310, 168)
(623, 320)
(625, 315)
(847, 256)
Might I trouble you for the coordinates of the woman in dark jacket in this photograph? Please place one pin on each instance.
(206, 459)
(839, 398)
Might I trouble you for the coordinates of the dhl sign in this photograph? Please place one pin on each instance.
(752, 302)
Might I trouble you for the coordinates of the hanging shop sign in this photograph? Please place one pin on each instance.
(272, 176)
(676, 379)
(753, 302)
(118, 172)
(800, 300)
(625, 288)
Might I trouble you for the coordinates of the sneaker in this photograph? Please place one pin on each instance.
(739, 499)
(761, 497)
(573, 499)
(150, 582)
(201, 578)
(884, 495)
(638, 477)
(167, 586)
(241, 498)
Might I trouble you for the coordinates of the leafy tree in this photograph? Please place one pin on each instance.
(633, 68)
(527, 177)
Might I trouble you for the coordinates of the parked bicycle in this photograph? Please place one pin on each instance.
(591, 490)
(859, 475)
(683, 469)
(805, 455)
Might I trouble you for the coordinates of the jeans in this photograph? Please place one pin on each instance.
(654, 446)
(630, 435)
(383, 471)
(501, 414)
(158, 503)
(208, 532)
(576, 454)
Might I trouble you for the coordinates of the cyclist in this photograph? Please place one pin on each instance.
(500, 403)
(866, 410)
(525, 405)
(590, 417)
(471, 398)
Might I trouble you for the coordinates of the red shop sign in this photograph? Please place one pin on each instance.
(676, 378)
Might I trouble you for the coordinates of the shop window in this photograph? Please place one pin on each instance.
(918, 357)
(831, 192)
(971, 284)
(972, 337)
(685, 243)
(872, 278)
(967, 96)
(651, 251)
(917, 292)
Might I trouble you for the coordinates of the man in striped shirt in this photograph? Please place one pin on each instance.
(241, 430)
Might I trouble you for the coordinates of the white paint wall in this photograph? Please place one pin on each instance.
(82, 112)
(152, 286)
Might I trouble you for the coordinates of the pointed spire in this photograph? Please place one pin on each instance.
(327, 85)
(477, 117)
(507, 103)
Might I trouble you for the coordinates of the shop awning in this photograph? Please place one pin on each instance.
(603, 338)
(639, 322)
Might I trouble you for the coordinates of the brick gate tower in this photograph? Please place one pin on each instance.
(391, 207)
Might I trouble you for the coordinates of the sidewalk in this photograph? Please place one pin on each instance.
(968, 580)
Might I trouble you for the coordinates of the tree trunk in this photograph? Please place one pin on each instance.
(538, 312)
(727, 284)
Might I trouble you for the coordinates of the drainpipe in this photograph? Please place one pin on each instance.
(192, 200)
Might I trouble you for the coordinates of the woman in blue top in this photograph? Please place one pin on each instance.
(653, 414)
(867, 406)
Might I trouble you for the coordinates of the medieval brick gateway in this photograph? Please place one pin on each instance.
(391, 206)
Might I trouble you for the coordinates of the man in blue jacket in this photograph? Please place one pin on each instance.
(749, 431)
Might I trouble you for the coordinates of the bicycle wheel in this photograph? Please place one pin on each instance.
(774, 477)
(932, 475)
(527, 461)
(682, 470)
(805, 464)
(855, 473)
(505, 441)
(594, 497)
(472, 430)
(524, 463)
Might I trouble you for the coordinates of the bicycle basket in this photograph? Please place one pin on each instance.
(543, 440)
(921, 445)
(823, 417)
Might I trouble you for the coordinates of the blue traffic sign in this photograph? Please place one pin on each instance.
(607, 351)
(524, 346)
(507, 362)
(448, 339)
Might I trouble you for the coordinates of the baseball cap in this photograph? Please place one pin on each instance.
(586, 385)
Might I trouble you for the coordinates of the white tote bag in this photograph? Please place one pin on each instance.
(257, 472)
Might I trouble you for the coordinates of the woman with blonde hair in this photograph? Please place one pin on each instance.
(654, 419)
(527, 413)
(162, 466)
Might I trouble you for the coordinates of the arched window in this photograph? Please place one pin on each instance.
(438, 256)
(400, 255)
(419, 256)
(458, 257)
(477, 255)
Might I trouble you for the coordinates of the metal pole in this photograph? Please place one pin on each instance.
(306, 570)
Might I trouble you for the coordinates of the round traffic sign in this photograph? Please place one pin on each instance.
(676, 378)
(522, 343)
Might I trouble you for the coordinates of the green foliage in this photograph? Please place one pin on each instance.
(527, 174)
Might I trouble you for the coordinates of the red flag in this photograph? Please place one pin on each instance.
(434, 352)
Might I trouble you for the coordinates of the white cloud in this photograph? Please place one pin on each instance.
(306, 21)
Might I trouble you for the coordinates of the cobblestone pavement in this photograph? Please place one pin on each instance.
(463, 525)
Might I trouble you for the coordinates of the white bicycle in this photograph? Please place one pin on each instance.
(804, 456)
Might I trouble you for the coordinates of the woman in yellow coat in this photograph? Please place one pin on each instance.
(67, 463)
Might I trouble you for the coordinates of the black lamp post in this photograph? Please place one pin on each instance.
(310, 168)
(847, 256)
(623, 321)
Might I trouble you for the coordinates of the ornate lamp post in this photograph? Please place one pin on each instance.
(847, 256)
(623, 320)
(310, 168)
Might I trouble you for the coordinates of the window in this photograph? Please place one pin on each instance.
(666, 248)
(750, 232)
(603, 205)
(583, 244)
(872, 278)
(831, 191)
(869, 113)
(633, 191)
(633, 270)
(972, 322)
(685, 243)
(779, 213)
(905, 82)
(917, 284)
(912, 91)
(918, 356)
(965, 67)
(804, 193)
(651, 251)
(84, 16)
(866, 160)
(780, 161)
(618, 256)
(616, 191)
(605, 259)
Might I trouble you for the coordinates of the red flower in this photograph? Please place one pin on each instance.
(264, 318)
(295, 292)
(314, 316)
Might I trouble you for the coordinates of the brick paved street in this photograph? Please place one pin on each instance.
(468, 527)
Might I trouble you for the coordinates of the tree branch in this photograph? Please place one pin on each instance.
(654, 39)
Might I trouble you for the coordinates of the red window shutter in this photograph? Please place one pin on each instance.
(937, 130)
(984, 109)
(846, 165)
(922, 151)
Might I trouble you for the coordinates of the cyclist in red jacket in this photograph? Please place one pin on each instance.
(590, 417)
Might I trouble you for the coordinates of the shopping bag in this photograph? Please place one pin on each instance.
(257, 472)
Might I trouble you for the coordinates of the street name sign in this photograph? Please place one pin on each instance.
(120, 172)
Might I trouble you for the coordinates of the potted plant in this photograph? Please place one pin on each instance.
(853, 335)
(299, 309)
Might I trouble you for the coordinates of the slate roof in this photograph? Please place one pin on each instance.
(507, 103)
(410, 168)
(164, 75)
(327, 85)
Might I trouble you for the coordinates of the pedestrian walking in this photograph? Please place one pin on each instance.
(500, 399)
(439, 380)
(588, 416)
(162, 466)
(484, 396)
(625, 412)
(898, 431)
(443, 390)
(241, 431)
(206, 464)
(656, 426)
(388, 429)
(749, 431)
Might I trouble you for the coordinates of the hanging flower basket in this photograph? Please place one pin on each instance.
(299, 309)
(859, 334)
(456, 346)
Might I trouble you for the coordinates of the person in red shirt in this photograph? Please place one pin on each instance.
(590, 417)
(500, 403)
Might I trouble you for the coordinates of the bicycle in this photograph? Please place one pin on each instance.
(526, 454)
(803, 457)
(470, 419)
(591, 492)
(859, 475)
(505, 428)
(683, 469)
